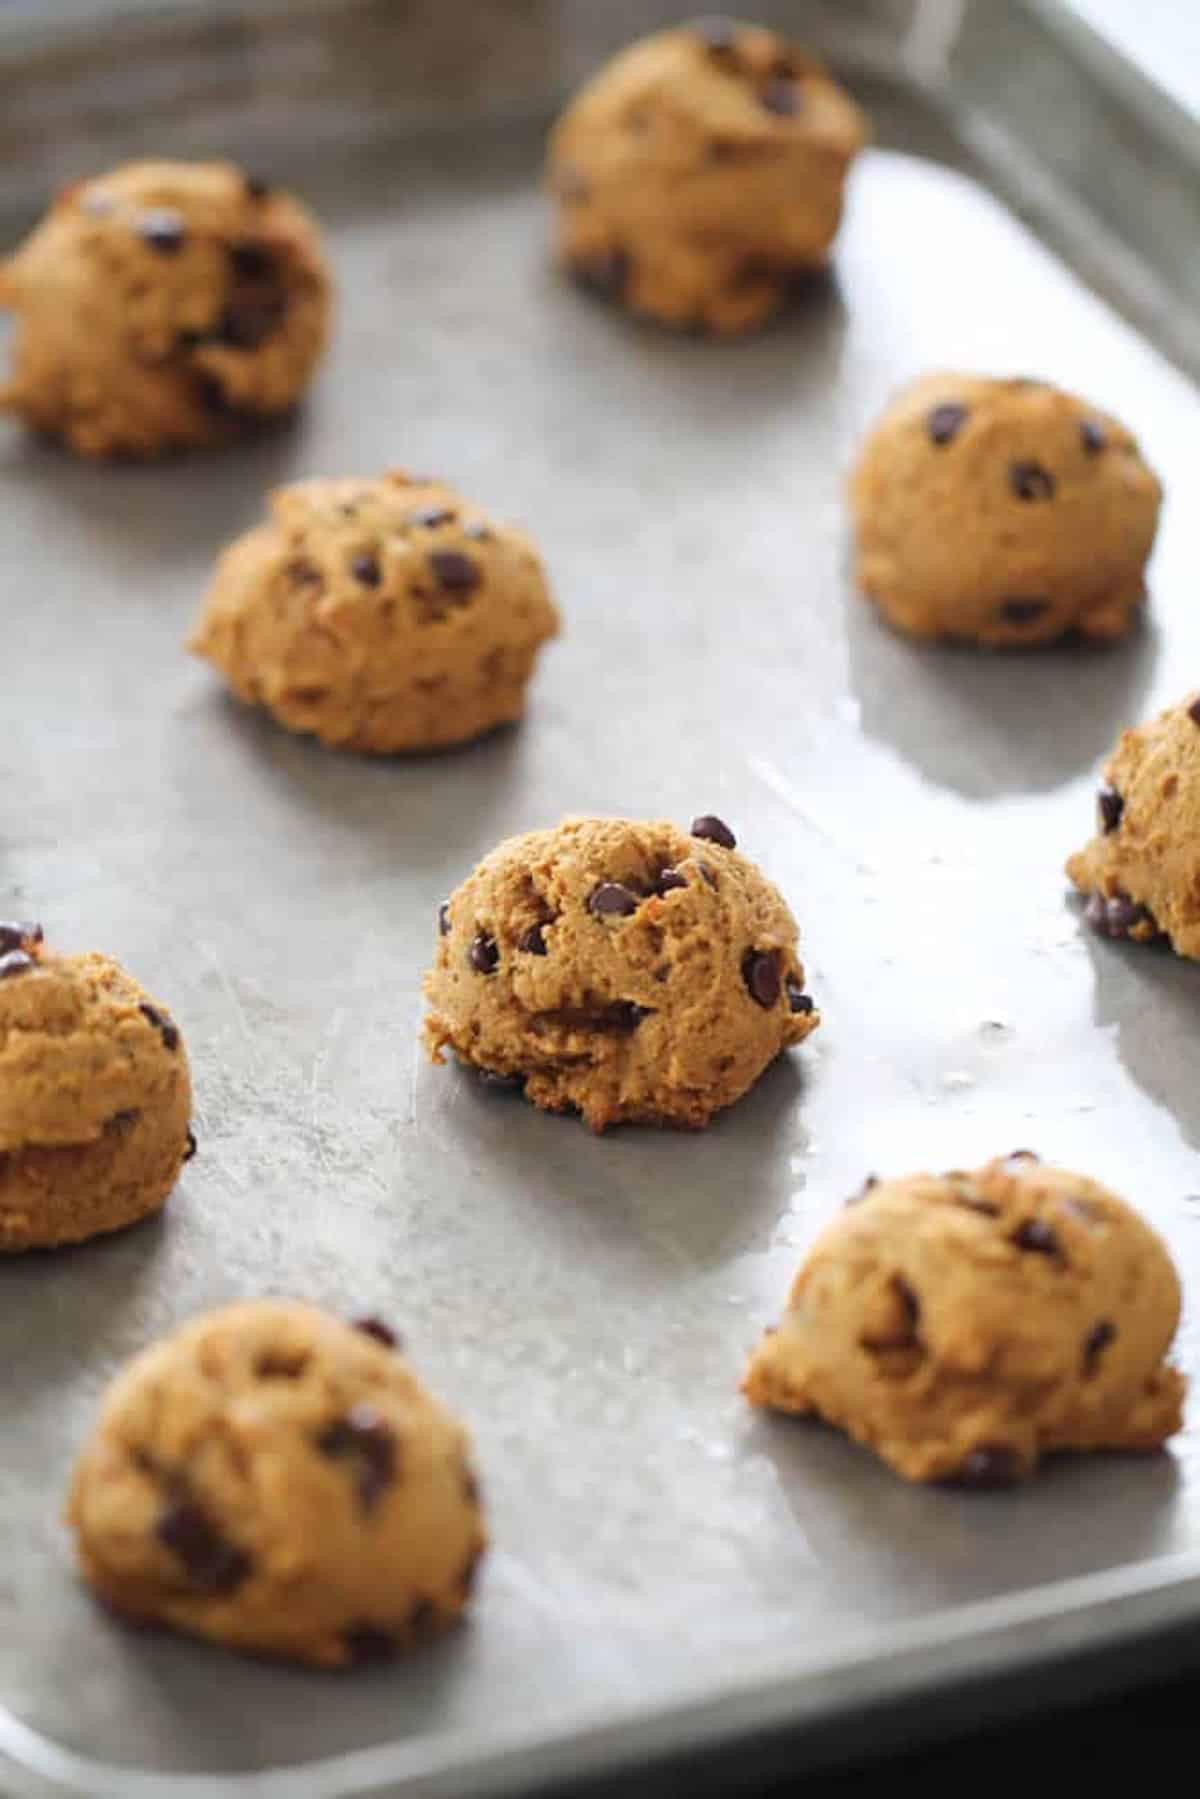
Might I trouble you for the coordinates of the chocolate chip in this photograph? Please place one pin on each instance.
(421, 1617)
(1117, 916)
(256, 187)
(211, 394)
(607, 272)
(1094, 1344)
(1030, 481)
(365, 568)
(212, 1562)
(1024, 612)
(1038, 1237)
(1194, 712)
(990, 1465)
(945, 421)
(611, 900)
(1091, 436)
(784, 98)
(15, 934)
(533, 940)
(192, 1145)
(427, 518)
(717, 33)
(1110, 806)
(760, 971)
(484, 954)
(910, 1305)
(444, 919)
(371, 1326)
(368, 1643)
(454, 571)
(252, 261)
(363, 1439)
(669, 881)
(1023, 1155)
(871, 1182)
(626, 1014)
(168, 1031)
(496, 1082)
(251, 318)
(713, 830)
(13, 963)
(706, 874)
(797, 999)
(162, 229)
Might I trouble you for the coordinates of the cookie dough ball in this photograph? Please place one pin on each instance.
(1141, 871)
(701, 172)
(280, 1482)
(628, 971)
(379, 615)
(1003, 513)
(962, 1325)
(95, 1096)
(164, 305)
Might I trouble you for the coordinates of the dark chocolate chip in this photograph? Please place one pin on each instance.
(168, 1031)
(495, 1082)
(1117, 916)
(1030, 481)
(990, 1465)
(368, 1643)
(484, 954)
(713, 830)
(1194, 712)
(909, 1303)
(868, 1185)
(371, 1326)
(1023, 1155)
(256, 187)
(427, 518)
(1024, 612)
(784, 98)
(365, 568)
(797, 999)
(444, 919)
(211, 394)
(16, 934)
(945, 421)
(611, 900)
(1091, 436)
(706, 873)
(1095, 1343)
(760, 971)
(605, 273)
(211, 1560)
(362, 1438)
(717, 33)
(1110, 806)
(626, 1014)
(13, 963)
(669, 880)
(192, 1145)
(1038, 1237)
(252, 261)
(162, 229)
(454, 571)
(533, 940)
(251, 318)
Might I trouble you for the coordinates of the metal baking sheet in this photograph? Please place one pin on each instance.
(668, 1569)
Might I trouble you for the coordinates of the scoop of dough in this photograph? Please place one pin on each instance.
(962, 1325)
(280, 1482)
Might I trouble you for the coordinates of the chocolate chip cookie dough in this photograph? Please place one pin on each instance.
(963, 1325)
(164, 305)
(379, 615)
(701, 171)
(629, 971)
(280, 1482)
(95, 1096)
(1141, 870)
(1002, 513)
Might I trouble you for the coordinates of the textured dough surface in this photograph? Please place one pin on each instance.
(380, 615)
(279, 1481)
(95, 1096)
(1002, 512)
(164, 305)
(701, 171)
(641, 1016)
(1142, 867)
(961, 1325)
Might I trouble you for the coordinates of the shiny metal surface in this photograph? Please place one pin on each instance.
(667, 1568)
